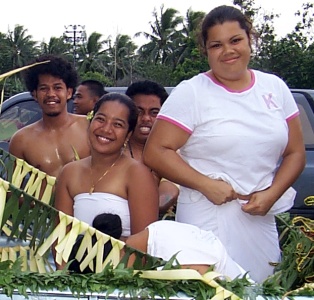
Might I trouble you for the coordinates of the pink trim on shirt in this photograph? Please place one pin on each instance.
(180, 125)
(293, 116)
(209, 75)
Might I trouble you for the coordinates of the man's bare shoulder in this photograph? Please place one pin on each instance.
(24, 138)
(28, 130)
(79, 119)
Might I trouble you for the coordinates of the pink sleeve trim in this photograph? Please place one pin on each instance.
(293, 116)
(176, 123)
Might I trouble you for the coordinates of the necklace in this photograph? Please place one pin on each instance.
(92, 188)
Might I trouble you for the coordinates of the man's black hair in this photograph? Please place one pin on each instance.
(56, 66)
(147, 87)
(95, 87)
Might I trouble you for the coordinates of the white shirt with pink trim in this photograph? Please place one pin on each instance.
(238, 137)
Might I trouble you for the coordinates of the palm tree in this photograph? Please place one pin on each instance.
(190, 31)
(55, 45)
(5, 54)
(17, 50)
(21, 46)
(91, 52)
(123, 57)
(164, 32)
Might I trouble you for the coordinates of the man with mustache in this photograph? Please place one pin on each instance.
(149, 96)
(58, 137)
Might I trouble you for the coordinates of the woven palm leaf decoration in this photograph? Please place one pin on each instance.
(24, 176)
(25, 218)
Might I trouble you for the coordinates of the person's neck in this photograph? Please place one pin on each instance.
(56, 122)
(135, 149)
(101, 161)
(238, 83)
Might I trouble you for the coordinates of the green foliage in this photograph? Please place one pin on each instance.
(172, 43)
(21, 47)
(12, 85)
(192, 66)
(123, 61)
(290, 57)
(106, 282)
(96, 76)
(238, 286)
(161, 74)
(57, 46)
(91, 54)
(164, 33)
(297, 265)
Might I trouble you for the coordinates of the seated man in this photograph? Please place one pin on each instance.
(58, 137)
(149, 96)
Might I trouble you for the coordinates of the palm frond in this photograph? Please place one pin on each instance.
(10, 73)
(297, 266)
(26, 177)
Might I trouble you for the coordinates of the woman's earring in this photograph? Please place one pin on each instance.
(125, 143)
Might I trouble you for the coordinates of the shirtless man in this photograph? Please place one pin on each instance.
(86, 95)
(148, 96)
(59, 137)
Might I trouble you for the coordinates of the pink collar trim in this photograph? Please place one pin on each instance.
(209, 75)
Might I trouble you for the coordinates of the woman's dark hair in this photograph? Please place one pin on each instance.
(123, 99)
(109, 224)
(57, 66)
(220, 15)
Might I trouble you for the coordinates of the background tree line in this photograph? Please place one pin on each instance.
(171, 53)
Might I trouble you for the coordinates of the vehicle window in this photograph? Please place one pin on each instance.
(306, 122)
(18, 116)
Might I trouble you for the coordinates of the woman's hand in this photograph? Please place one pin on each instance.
(218, 191)
(259, 203)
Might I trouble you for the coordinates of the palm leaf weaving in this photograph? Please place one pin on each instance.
(26, 177)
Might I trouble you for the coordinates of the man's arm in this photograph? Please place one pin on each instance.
(168, 194)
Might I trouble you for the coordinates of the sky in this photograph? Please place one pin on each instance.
(44, 20)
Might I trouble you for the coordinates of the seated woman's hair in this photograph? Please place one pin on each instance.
(109, 224)
(123, 99)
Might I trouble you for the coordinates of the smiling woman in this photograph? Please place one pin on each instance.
(108, 180)
(233, 126)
